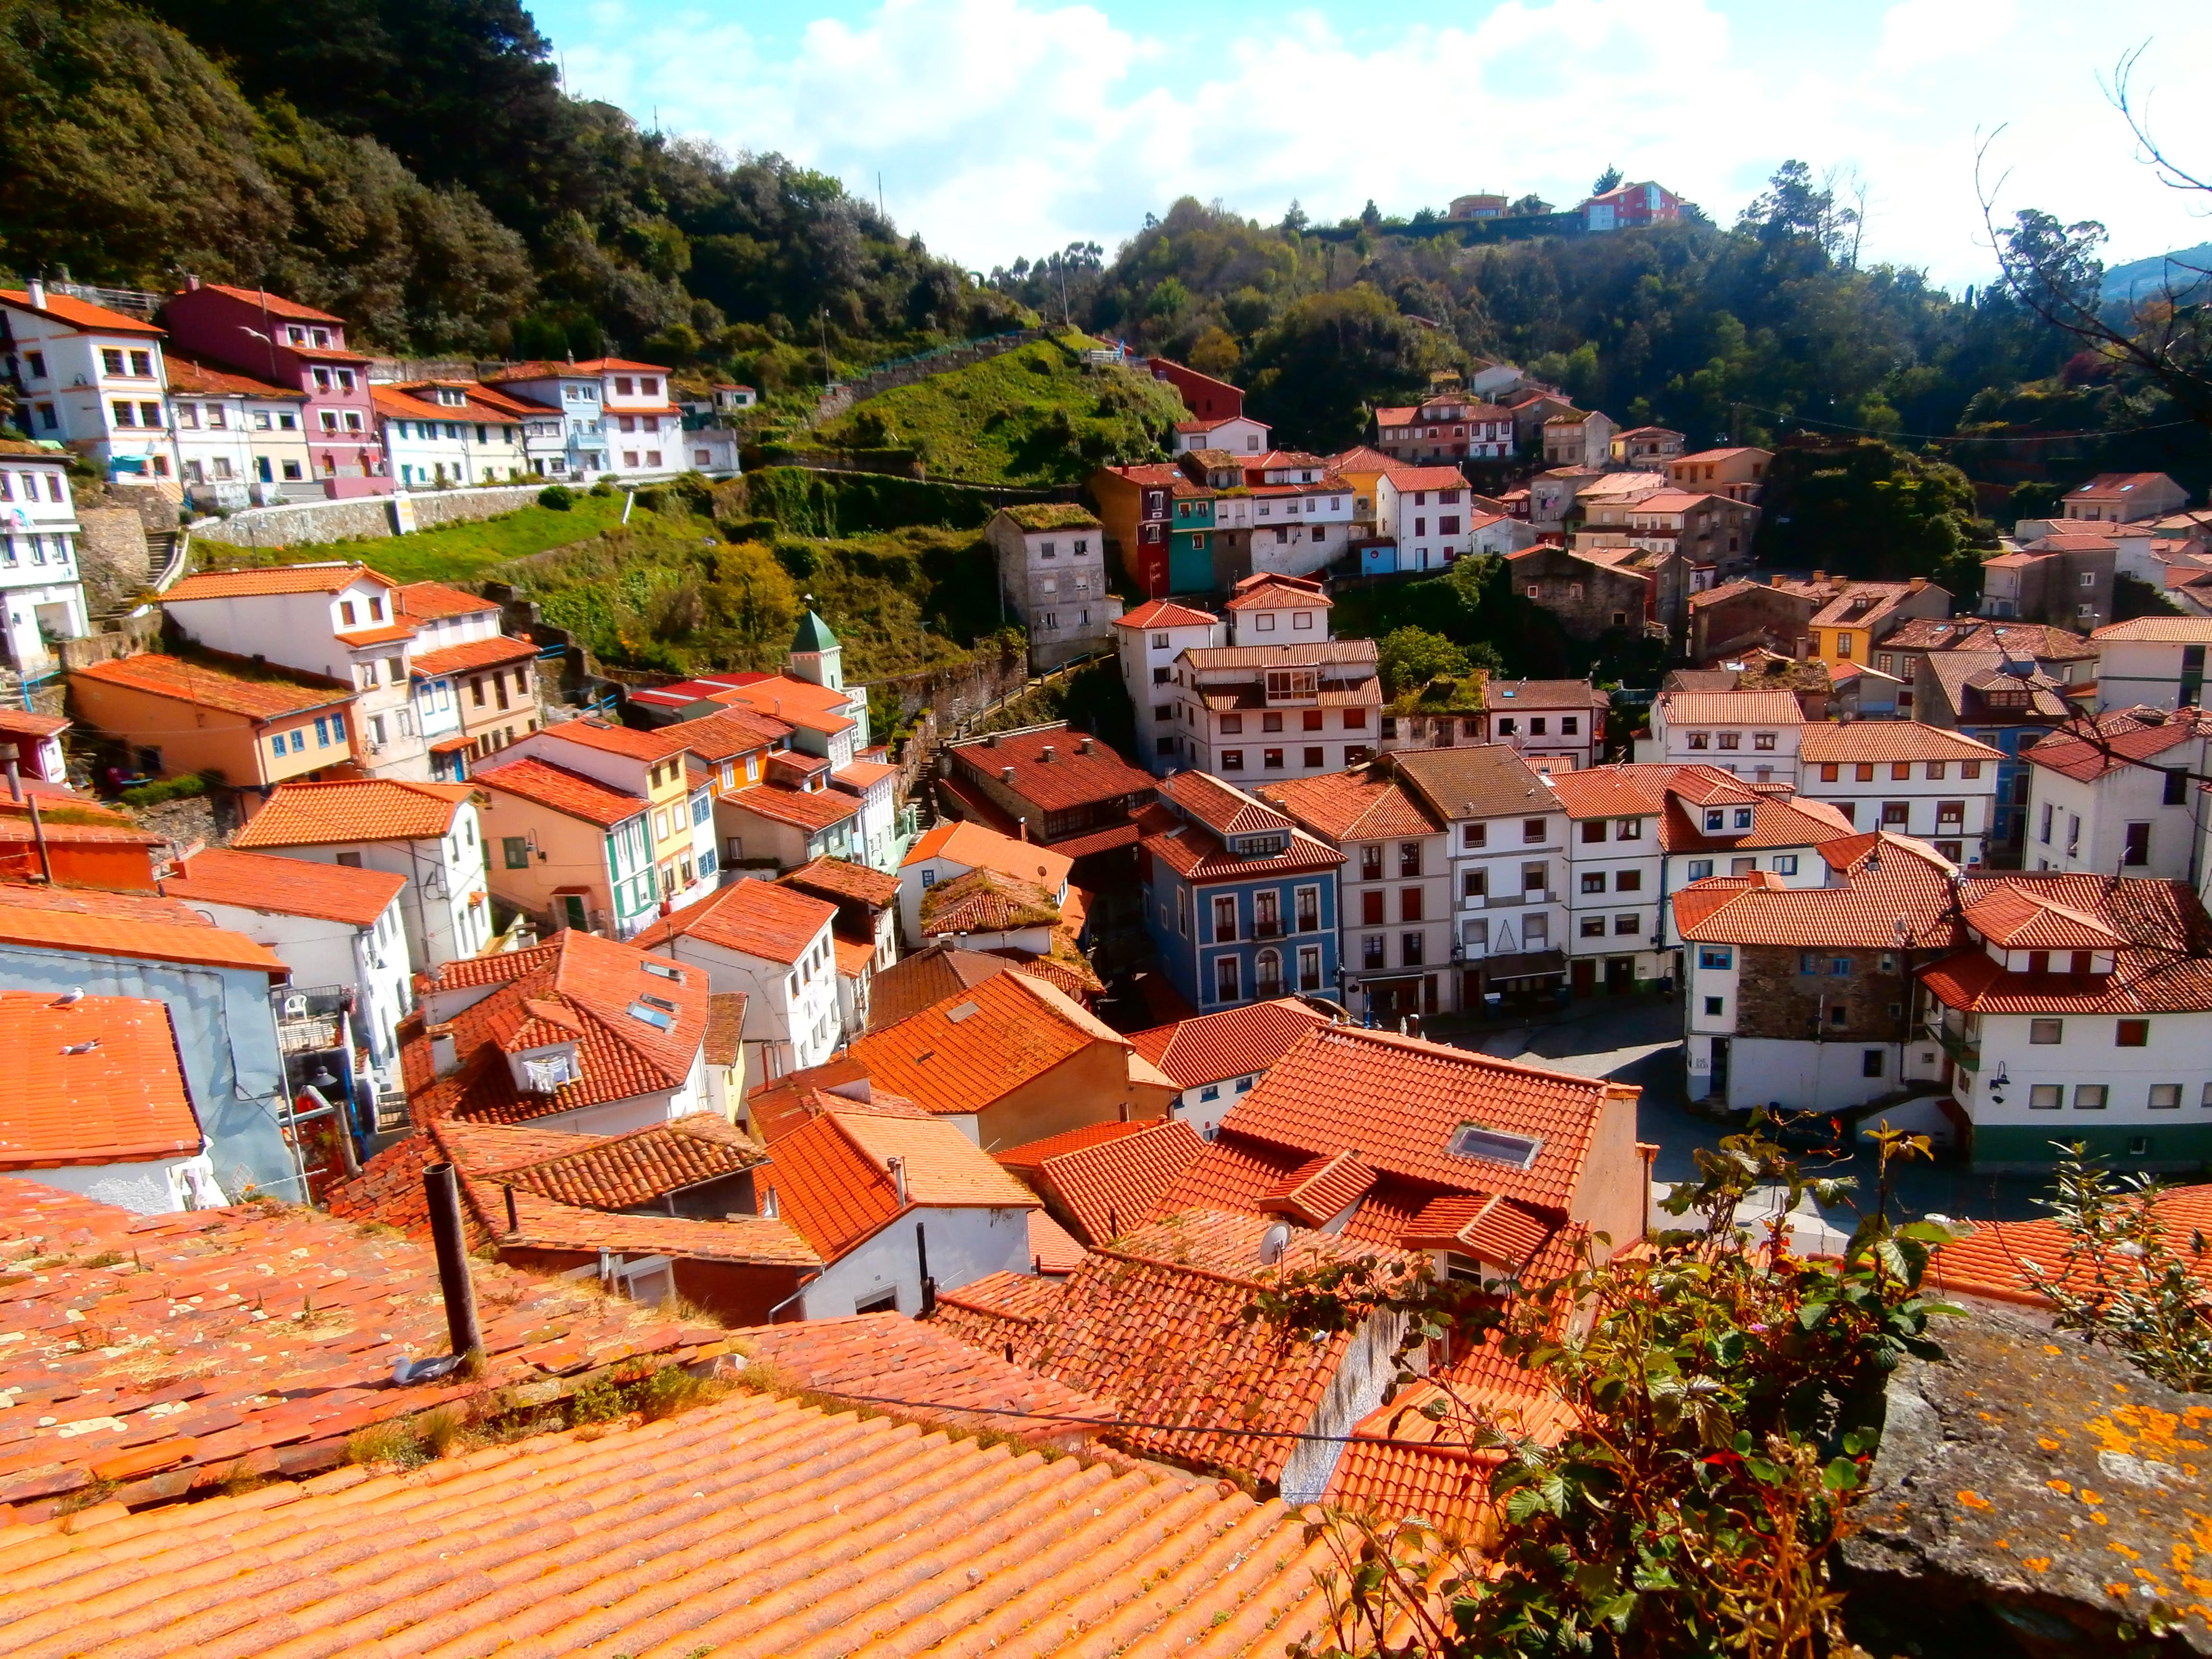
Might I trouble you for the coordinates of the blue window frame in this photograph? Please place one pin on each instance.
(322, 732)
(1716, 956)
(277, 746)
(299, 738)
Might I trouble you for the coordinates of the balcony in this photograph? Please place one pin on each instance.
(1507, 901)
(1965, 1053)
(1267, 927)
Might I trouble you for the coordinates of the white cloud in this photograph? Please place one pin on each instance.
(1010, 127)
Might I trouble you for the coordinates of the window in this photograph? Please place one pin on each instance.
(1474, 884)
(1731, 739)
(1870, 1062)
(2045, 1098)
(1700, 740)
(1593, 881)
(1232, 726)
(1592, 927)
(1474, 835)
(1594, 830)
(1700, 868)
(1570, 725)
(1895, 813)
(1409, 904)
(1409, 950)
(1713, 1005)
(2166, 1096)
(1232, 760)
(1314, 758)
(2177, 787)
(2089, 1096)
(1534, 878)
(1830, 772)
(1628, 881)
(1762, 740)
(1716, 956)
(1308, 909)
(2131, 1034)
(2138, 845)
(1628, 830)
(1862, 772)
(1531, 830)
(1225, 979)
(516, 851)
(1224, 918)
(1626, 924)
(2048, 813)
(1271, 760)
(1786, 864)
(1371, 951)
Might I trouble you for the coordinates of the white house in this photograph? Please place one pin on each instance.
(1549, 719)
(1508, 851)
(1282, 700)
(774, 944)
(2123, 804)
(428, 834)
(1430, 511)
(43, 599)
(891, 1201)
(1754, 734)
(330, 924)
(1714, 826)
(1238, 435)
(1910, 779)
(92, 378)
(442, 433)
(98, 1103)
(2155, 662)
(336, 619)
(1616, 885)
(238, 441)
(1292, 513)
(1147, 641)
(1052, 578)
(617, 415)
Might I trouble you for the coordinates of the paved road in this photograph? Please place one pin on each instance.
(1638, 1040)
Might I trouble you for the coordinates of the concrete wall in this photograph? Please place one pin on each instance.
(964, 1245)
(154, 1188)
(310, 523)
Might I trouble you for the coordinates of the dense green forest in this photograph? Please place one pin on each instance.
(414, 166)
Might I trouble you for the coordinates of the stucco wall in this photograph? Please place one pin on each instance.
(307, 523)
(964, 1245)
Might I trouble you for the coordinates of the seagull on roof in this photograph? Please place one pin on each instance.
(74, 993)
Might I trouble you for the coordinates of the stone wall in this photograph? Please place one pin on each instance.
(1583, 596)
(301, 524)
(1766, 615)
(1773, 1000)
(111, 556)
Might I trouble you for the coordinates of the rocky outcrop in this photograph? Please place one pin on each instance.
(2033, 1495)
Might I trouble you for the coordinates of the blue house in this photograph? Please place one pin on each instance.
(1240, 903)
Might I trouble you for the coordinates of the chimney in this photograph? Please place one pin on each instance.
(1005, 774)
(898, 1177)
(1022, 829)
(442, 1196)
(1087, 746)
(1819, 577)
(990, 740)
(192, 284)
(445, 1059)
(35, 292)
(1046, 755)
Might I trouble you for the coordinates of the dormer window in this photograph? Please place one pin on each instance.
(1743, 818)
(547, 1074)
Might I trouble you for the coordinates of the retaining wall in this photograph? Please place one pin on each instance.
(310, 523)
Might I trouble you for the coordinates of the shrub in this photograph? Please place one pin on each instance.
(177, 788)
(559, 497)
(605, 487)
(653, 499)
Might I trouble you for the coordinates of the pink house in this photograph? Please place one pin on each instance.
(289, 344)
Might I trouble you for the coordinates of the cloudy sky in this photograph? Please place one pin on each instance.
(1010, 127)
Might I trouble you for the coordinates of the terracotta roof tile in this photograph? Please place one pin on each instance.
(258, 1337)
(659, 744)
(1071, 777)
(1909, 882)
(289, 887)
(353, 809)
(832, 1181)
(725, 1026)
(810, 810)
(429, 601)
(556, 787)
(122, 924)
(202, 681)
(1479, 781)
(979, 848)
(841, 879)
(1053, 1249)
(1028, 1158)
(81, 313)
(1988, 1261)
(1360, 805)
(755, 918)
(1319, 1189)
(1235, 1043)
(927, 977)
(1731, 708)
(732, 731)
(258, 580)
(2166, 966)
(2122, 737)
(1112, 1185)
(473, 655)
(1400, 1101)
(619, 1172)
(2180, 631)
(985, 902)
(1014, 1030)
(1164, 614)
(23, 723)
(2020, 920)
(120, 1098)
(1196, 853)
(1888, 740)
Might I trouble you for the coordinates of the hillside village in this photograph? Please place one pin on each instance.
(529, 1032)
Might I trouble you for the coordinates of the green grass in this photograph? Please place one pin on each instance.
(1034, 417)
(453, 552)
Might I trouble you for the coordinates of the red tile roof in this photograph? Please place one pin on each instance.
(832, 1180)
(353, 809)
(1070, 777)
(1888, 740)
(985, 902)
(1909, 882)
(1053, 1249)
(1017, 1030)
(80, 313)
(1162, 614)
(356, 638)
(2179, 630)
(21, 723)
(1221, 807)
(810, 810)
(591, 368)
(473, 655)
(2122, 737)
(1731, 708)
(979, 848)
(1319, 1189)
(248, 1341)
(589, 732)
(927, 977)
(119, 1098)
(327, 577)
(841, 879)
(1235, 1043)
(1400, 1101)
(1112, 1185)
(196, 378)
(756, 1524)
(730, 732)
(1156, 1326)
(1277, 595)
(2020, 920)
(755, 918)
(287, 887)
(563, 791)
(430, 601)
(1360, 805)
(125, 924)
(1196, 854)
(259, 693)
(1989, 1262)
(2165, 967)
(1612, 791)
(596, 984)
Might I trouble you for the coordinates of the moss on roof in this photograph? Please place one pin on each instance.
(1052, 515)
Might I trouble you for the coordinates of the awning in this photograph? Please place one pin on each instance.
(1525, 965)
(448, 745)
(1374, 982)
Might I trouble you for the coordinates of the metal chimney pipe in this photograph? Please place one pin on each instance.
(39, 835)
(441, 1192)
(921, 1256)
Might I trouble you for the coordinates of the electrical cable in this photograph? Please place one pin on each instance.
(1956, 437)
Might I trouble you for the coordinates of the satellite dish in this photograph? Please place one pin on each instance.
(1274, 1244)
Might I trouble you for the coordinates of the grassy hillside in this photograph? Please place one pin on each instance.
(1037, 415)
(451, 553)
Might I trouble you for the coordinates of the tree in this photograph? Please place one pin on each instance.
(1328, 356)
(1609, 180)
(1409, 657)
(1215, 353)
(1725, 1400)
(1869, 509)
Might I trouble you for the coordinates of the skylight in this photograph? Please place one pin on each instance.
(658, 1002)
(1495, 1145)
(658, 1020)
(662, 968)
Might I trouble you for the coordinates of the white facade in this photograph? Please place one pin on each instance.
(1950, 803)
(236, 447)
(40, 597)
(791, 1007)
(152, 1186)
(1299, 518)
(2133, 821)
(1757, 740)
(2160, 673)
(1531, 721)
(1510, 878)
(445, 909)
(1799, 866)
(883, 1272)
(1803, 1074)
(1394, 922)
(1146, 642)
(1240, 435)
(100, 389)
(617, 417)
(1430, 514)
(1615, 883)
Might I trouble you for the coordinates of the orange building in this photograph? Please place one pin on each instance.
(256, 726)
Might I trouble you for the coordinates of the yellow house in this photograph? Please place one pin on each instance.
(648, 765)
(566, 848)
(257, 727)
(1857, 614)
(1363, 469)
